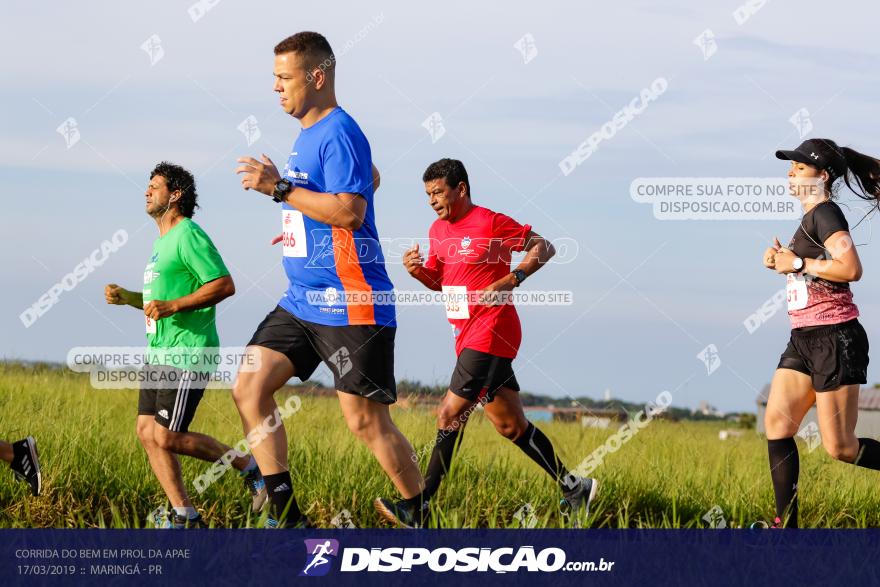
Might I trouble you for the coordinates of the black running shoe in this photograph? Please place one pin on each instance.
(402, 513)
(26, 464)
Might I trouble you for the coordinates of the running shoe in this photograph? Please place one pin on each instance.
(402, 513)
(254, 482)
(302, 524)
(173, 521)
(26, 464)
(579, 498)
(762, 525)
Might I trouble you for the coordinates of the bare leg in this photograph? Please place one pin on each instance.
(506, 413)
(6, 453)
(254, 396)
(371, 422)
(791, 396)
(838, 411)
(197, 445)
(164, 463)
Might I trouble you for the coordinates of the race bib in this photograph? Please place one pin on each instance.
(796, 291)
(456, 302)
(293, 233)
(151, 325)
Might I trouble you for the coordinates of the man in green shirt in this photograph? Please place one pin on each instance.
(183, 282)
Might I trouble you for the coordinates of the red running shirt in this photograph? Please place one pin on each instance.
(469, 255)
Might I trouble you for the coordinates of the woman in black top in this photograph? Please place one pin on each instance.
(826, 359)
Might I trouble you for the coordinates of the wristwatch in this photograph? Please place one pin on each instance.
(282, 188)
(798, 264)
(519, 275)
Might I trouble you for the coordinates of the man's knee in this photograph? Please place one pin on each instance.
(364, 425)
(450, 417)
(166, 439)
(144, 429)
(511, 429)
(248, 389)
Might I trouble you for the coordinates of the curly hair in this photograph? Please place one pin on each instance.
(178, 178)
(452, 170)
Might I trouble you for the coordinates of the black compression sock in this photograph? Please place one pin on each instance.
(438, 466)
(280, 489)
(869, 454)
(538, 447)
(784, 470)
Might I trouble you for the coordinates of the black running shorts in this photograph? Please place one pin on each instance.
(478, 376)
(832, 356)
(171, 395)
(360, 357)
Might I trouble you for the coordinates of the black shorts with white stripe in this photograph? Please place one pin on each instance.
(171, 395)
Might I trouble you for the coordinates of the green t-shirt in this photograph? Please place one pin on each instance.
(183, 260)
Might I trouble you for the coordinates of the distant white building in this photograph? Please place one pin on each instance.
(709, 410)
(869, 412)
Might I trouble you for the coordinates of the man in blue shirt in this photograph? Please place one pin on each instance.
(338, 308)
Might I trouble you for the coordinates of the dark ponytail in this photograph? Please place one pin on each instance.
(864, 172)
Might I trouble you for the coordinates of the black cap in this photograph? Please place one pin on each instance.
(820, 153)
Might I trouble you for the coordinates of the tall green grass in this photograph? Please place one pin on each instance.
(668, 476)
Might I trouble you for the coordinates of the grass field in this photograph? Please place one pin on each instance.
(668, 476)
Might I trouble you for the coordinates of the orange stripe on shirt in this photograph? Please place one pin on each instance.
(348, 268)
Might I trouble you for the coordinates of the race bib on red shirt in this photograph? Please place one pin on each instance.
(456, 302)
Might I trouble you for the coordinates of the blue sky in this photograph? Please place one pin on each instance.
(649, 295)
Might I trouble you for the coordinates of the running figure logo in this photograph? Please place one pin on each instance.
(317, 552)
(342, 359)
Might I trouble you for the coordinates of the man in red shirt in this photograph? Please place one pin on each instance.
(469, 261)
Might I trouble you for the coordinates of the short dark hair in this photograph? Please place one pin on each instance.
(311, 46)
(452, 170)
(178, 178)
